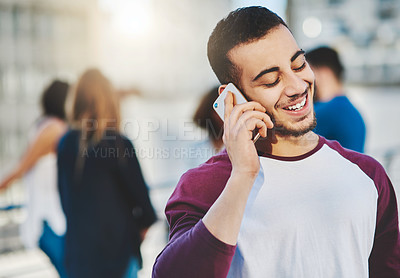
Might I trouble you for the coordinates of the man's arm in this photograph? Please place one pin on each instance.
(225, 216)
(384, 260)
(192, 250)
(202, 242)
(194, 253)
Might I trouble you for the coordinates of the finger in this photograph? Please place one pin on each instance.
(250, 125)
(239, 109)
(228, 101)
(262, 129)
(260, 126)
(258, 115)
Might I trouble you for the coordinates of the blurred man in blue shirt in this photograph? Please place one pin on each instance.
(337, 118)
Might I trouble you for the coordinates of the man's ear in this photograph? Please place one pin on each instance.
(221, 88)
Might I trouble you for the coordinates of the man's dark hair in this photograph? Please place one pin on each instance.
(243, 25)
(53, 99)
(325, 56)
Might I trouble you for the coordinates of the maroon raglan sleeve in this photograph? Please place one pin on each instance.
(192, 251)
(384, 260)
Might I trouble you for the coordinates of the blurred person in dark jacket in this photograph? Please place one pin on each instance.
(103, 192)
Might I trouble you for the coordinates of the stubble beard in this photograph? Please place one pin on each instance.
(281, 130)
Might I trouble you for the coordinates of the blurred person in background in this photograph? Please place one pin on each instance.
(102, 189)
(337, 118)
(206, 118)
(45, 222)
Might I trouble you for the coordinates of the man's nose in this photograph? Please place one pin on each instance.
(294, 84)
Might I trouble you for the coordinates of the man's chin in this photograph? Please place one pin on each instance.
(282, 131)
(291, 133)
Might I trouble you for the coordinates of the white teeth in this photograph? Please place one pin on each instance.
(298, 106)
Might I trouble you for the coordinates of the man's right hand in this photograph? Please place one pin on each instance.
(224, 217)
(239, 122)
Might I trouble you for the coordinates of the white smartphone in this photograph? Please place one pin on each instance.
(219, 104)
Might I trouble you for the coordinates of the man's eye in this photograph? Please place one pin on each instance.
(301, 67)
(272, 84)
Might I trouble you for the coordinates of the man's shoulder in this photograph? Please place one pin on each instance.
(216, 167)
(202, 185)
(366, 163)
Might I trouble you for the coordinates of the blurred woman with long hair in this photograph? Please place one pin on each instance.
(103, 193)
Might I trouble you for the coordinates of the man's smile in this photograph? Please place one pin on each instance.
(298, 107)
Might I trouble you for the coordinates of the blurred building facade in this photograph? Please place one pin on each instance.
(155, 46)
(39, 41)
(167, 56)
(365, 32)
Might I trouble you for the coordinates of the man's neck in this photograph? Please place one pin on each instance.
(288, 146)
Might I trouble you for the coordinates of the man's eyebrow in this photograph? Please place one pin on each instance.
(300, 52)
(265, 72)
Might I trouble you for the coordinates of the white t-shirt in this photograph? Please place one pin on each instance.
(302, 216)
(42, 199)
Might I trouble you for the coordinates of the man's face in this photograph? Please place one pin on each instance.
(274, 73)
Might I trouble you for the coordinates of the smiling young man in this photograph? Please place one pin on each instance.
(292, 205)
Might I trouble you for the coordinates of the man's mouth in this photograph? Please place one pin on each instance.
(298, 106)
